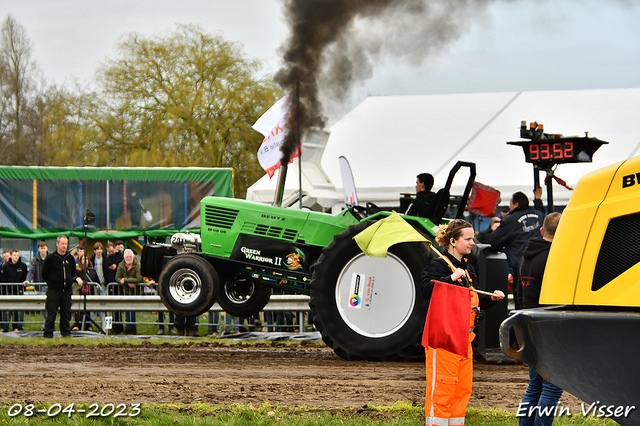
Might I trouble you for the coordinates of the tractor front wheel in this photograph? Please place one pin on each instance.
(188, 285)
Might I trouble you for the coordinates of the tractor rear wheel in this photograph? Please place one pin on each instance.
(188, 285)
(369, 308)
(243, 298)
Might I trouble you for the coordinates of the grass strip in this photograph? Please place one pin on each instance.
(399, 414)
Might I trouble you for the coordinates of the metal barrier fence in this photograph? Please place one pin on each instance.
(29, 307)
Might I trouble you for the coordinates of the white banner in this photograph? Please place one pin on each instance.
(275, 124)
(348, 185)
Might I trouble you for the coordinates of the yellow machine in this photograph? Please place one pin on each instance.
(589, 344)
(595, 247)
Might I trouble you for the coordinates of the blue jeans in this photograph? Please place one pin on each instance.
(18, 319)
(228, 321)
(130, 321)
(541, 394)
(172, 318)
(214, 319)
(284, 318)
(269, 317)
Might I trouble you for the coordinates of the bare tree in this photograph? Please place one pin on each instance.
(18, 87)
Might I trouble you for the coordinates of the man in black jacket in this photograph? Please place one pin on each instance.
(15, 272)
(516, 228)
(540, 393)
(424, 195)
(59, 272)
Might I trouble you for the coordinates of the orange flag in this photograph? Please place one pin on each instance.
(448, 319)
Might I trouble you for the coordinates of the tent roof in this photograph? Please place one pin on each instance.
(388, 140)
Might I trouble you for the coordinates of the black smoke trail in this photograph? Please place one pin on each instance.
(334, 44)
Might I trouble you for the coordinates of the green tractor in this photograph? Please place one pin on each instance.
(365, 308)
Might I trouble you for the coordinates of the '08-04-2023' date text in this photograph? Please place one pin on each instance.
(93, 410)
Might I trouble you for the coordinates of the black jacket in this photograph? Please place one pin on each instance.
(88, 276)
(420, 204)
(515, 230)
(14, 273)
(439, 270)
(484, 236)
(532, 264)
(110, 274)
(59, 271)
(92, 262)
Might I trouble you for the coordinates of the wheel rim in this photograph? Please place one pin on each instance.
(185, 286)
(385, 295)
(239, 293)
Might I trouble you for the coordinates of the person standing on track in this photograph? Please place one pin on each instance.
(59, 272)
(450, 376)
(541, 397)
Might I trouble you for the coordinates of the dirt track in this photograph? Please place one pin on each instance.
(218, 373)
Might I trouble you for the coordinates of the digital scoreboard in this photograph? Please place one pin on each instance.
(544, 148)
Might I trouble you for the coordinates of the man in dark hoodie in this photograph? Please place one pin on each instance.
(540, 393)
(516, 228)
(59, 272)
(14, 271)
(533, 262)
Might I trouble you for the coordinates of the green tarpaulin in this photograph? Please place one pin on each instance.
(128, 202)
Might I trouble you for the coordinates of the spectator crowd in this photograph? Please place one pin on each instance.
(114, 272)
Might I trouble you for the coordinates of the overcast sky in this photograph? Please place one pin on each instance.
(511, 46)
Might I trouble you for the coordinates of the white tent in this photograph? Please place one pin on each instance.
(389, 140)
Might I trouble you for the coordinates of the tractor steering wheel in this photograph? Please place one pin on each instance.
(372, 209)
(358, 212)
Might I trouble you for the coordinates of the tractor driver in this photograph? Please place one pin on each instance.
(424, 195)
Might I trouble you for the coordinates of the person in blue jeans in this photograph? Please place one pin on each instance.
(539, 403)
(15, 272)
(214, 320)
(538, 406)
(229, 322)
(128, 276)
(172, 319)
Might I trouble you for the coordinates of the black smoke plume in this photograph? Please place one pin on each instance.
(334, 43)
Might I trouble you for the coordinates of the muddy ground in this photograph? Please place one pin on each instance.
(214, 372)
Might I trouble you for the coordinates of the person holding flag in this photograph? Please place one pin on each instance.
(448, 284)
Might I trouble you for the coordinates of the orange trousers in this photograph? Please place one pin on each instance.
(449, 379)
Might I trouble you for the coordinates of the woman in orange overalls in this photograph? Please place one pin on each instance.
(449, 376)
